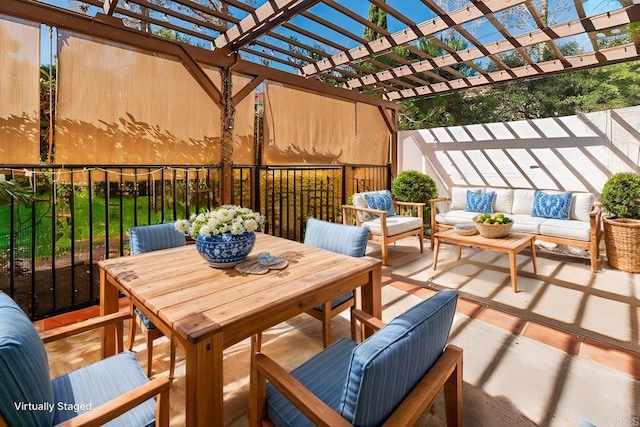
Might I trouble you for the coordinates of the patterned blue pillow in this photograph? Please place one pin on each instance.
(381, 201)
(480, 202)
(555, 206)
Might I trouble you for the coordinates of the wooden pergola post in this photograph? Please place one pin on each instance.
(226, 140)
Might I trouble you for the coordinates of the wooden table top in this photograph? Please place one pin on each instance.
(512, 241)
(195, 300)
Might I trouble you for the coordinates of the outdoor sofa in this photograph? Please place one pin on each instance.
(565, 218)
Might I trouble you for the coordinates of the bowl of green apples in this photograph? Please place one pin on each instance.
(493, 226)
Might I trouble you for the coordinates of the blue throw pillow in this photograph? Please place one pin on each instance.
(555, 206)
(381, 201)
(480, 202)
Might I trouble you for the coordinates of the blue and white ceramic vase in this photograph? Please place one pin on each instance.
(225, 250)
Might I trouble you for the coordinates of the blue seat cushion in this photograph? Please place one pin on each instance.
(145, 320)
(337, 301)
(323, 375)
(384, 368)
(91, 386)
(24, 370)
(340, 238)
(147, 238)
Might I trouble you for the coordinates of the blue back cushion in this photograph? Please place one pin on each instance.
(555, 206)
(385, 367)
(480, 202)
(381, 201)
(147, 238)
(340, 238)
(24, 370)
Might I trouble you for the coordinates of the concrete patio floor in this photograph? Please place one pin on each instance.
(564, 351)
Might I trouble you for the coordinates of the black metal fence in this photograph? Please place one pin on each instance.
(49, 249)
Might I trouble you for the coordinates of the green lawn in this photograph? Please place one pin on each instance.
(46, 234)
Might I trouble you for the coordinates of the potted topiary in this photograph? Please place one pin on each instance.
(416, 187)
(620, 201)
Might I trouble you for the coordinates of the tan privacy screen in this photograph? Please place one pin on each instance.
(304, 127)
(19, 91)
(119, 105)
(373, 135)
(243, 146)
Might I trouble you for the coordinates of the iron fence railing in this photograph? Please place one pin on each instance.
(49, 250)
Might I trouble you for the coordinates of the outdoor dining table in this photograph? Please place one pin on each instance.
(205, 310)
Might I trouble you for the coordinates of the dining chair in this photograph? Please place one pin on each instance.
(114, 391)
(343, 239)
(148, 238)
(392, 378)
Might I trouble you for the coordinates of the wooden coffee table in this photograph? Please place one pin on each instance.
(512, 244)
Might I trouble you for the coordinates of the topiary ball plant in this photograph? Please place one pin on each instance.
(620, 196)
(416, 187)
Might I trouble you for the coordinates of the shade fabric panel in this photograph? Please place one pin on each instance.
(302, 127)
(19, 91)
(372, 135)
(120, 105)
(244, 123)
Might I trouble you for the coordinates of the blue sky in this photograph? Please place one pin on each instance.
(414, 9)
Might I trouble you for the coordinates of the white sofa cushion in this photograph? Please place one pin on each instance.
(455, 217)
(395, 224)
(503, 201)
(459, 196)
(581, 206)
(522, 201)
(569, 229)
(526, 224)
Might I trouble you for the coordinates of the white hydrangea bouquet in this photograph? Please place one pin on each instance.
(231, 219)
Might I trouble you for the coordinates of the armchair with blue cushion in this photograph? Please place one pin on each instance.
(342, 239)
(388, 220)
(113, 392)
(148, 238)
(392, 378)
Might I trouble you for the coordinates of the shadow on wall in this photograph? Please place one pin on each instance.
(573, 153)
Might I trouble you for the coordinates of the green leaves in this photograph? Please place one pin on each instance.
(620, 196)
(13, 191)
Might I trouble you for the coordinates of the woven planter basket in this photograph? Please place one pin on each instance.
(494, 231)
(622, 240)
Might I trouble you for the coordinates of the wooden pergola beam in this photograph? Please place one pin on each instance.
(270, 15)
(613, 55)
(403, 37)
(109, 6)
(599, 22)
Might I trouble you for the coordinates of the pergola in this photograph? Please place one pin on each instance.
(429, 48)
(317, 39)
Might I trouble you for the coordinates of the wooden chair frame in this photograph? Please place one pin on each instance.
(446, 373)
(383, 239)
(150, 335)
(102, 414)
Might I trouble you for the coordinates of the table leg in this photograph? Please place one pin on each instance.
(436, 251)
(459, 252)
(513, 268)
(205, 382)
(108, 305)
(533, 256)
(372, 296)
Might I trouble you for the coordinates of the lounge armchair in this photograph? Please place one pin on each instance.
(114, 389)
(392, 378)
(148, 238)
(342, 239)
(387, 220)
